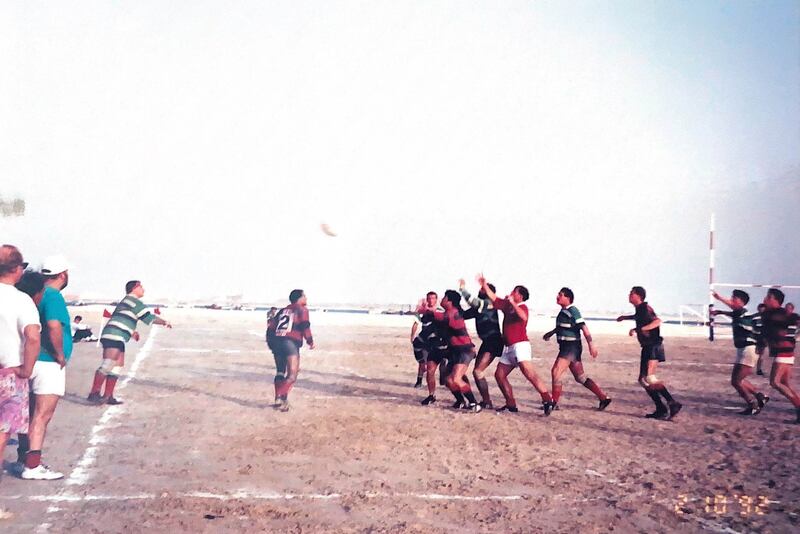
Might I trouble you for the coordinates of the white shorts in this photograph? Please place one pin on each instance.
(785, 359)
(747, 356)
(518, 352)
(48, 378)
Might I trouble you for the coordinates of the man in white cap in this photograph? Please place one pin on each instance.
(48, 380)
(19, 345)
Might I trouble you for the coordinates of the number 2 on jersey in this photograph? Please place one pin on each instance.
(284, 324)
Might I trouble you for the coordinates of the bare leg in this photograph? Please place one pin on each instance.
(431, 376)
(780, 379)
(738, 382)
(479, 373)
(559, 366)
(528, 371)
(501, 375)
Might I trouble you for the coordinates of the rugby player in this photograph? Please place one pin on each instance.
(289, 328)
(431, 340)
(118, 330)
(648, 332)
(569, 325)
(461, 350)
(745, 338)
(517, 346)
(777, 333)
(487, 322)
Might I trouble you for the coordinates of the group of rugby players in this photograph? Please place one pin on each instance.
(440, 340)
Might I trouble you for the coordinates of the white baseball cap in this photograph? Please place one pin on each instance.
(53, 265)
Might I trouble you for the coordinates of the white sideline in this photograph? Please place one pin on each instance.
(80, 475)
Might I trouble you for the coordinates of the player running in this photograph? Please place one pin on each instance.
(430, 339)
(648, 332)
(517, 346)
(745, 338)
(288, 329)
(461, 352)
(487, 322)
(777, 333)
(569, 325)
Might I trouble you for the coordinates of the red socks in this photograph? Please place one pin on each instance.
(33, 459)
(557, 389)
(592, 386)
(99, 378)
(111, 381)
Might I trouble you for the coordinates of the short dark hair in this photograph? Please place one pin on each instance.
(295, 295)
(482, 293)
(429, 293)
(453, 296)
(523, 292)
(131, 285)
(567, 292)
(777, 293)
(639, 290)
(79, 318)
(741, 295)
(10, 259)
(31, 283)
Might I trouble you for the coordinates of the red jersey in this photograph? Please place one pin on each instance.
(514, 328)
(457, 328)
(292, 322)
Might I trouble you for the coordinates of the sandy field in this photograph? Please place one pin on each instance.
(197, 448)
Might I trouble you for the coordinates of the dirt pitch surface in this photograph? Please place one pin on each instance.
(197, 447)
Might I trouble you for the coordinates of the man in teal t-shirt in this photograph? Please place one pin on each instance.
(48, 380)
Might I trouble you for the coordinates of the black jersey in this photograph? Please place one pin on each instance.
(645, 315)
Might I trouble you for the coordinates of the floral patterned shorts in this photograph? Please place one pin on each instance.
(13, 403)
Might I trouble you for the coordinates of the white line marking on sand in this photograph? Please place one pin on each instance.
(256, 496)
(200, 351)
(80, 475)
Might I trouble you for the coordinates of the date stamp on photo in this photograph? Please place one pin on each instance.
(723, 505)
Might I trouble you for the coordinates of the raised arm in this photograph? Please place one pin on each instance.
(486, 289)
(722, 299)
(473, 302)
(517, 308)
(625, 318)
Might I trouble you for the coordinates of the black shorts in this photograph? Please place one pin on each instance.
(420, 350)
(438, 354)
(653, 352)
(493, 345)
(462, 355)
(112, 344)
(570, 350)
(283, 347)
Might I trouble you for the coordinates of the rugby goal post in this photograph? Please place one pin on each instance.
(712, 285)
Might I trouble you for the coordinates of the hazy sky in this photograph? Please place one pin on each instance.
(199, 145)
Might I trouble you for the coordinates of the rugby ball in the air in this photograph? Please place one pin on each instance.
(327, 230)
